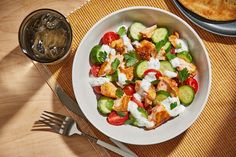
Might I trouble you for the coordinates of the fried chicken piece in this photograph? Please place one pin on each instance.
(109, 89)
(173, 39)
(190, 66)
(148, 32)
(161, 54)
(159, 115)
(129, 72)
(106, 66)
(151, 95)
(169, 85)
(118, 45)
(146, 49)
(122, 103)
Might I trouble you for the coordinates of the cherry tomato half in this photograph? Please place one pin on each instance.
(114, 119)
(129, 89)
(140, 104)
(109, 37)
(94, 70)
(193, 83)
(158, 73)
(97, 89)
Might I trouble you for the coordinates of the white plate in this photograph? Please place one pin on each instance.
(87, 99)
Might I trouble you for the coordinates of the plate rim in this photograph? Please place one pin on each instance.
(180, 8)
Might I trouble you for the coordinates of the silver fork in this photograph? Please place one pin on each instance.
(65, 125)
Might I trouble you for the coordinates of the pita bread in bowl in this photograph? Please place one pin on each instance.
(217, 10)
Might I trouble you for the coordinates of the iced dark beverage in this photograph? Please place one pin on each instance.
(45, 36)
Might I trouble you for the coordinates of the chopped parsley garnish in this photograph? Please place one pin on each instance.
(119, 92)
(179, 45)
(120, 113)
(160, 44)
(131, 119)
(155, 82)
(121, 31)
(143, 112)
(183, 75)
(115, 64)
(102, 55)
(170, 56)
(173, 105)
(129, 82)
(131, 58)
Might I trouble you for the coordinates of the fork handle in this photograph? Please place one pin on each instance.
(114, 149)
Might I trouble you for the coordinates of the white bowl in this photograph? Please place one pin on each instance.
(87, 99)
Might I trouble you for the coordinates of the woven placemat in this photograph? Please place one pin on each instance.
(214, 132)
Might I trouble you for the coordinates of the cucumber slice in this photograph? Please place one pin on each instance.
(105, 105)
(135, 29)
(185, 56)
(97, 56)
(141, 68)
(159, 35)
(165, 65)
(186, 95)
(167, 47)
(161, 95)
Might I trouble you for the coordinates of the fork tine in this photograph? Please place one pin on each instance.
(56, 115)
(51, 117)
(53, 122)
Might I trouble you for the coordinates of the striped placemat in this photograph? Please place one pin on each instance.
(214, 132)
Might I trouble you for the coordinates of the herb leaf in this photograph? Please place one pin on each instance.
(178, 46)
(102, 55)
(121, 31)
(119, 92)
(155, 82)
(115, 64)
(131, 119)
(143, 112)
(173, 105)
(131, 58)
(170, 56)
(160, 44)
(120, 113)
(129, 82)
(183, 75)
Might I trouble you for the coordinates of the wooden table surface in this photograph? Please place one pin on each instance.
(24, 94)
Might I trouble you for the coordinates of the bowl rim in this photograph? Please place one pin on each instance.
(177, 18)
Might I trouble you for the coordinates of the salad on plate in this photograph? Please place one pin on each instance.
(143, 76)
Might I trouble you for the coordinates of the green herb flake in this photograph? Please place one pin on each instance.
(179, 45)
(121, 31)
(131, 120)
(160, 44)
(173, 105)
(183, 75)
(119, 92)
(102, 56)
(120, 113)
(170, 56)
(131, 58)
(129, 82)
(155, 82)
(115, 64)
(143, 112)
